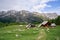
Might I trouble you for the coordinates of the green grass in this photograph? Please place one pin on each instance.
(54, 33)
(16, 32)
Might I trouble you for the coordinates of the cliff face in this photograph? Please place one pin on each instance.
(18, 16)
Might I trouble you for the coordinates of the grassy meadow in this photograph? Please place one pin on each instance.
(19, 32)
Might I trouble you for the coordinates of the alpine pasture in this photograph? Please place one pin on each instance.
(19, 32)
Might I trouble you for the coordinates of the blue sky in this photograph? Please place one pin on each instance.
(42, 6)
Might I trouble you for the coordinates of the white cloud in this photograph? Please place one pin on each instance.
(42, 5)
(45, 1)
(32, 5)
(33, 1)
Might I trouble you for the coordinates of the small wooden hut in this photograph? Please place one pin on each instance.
(30, 25)
(45, 24)
(53, 25)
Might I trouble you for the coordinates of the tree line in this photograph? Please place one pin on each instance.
(56, 20)
(10, 21)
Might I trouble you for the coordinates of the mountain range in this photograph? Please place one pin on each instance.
(25, 16)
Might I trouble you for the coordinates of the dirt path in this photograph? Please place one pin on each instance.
(42, 35)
